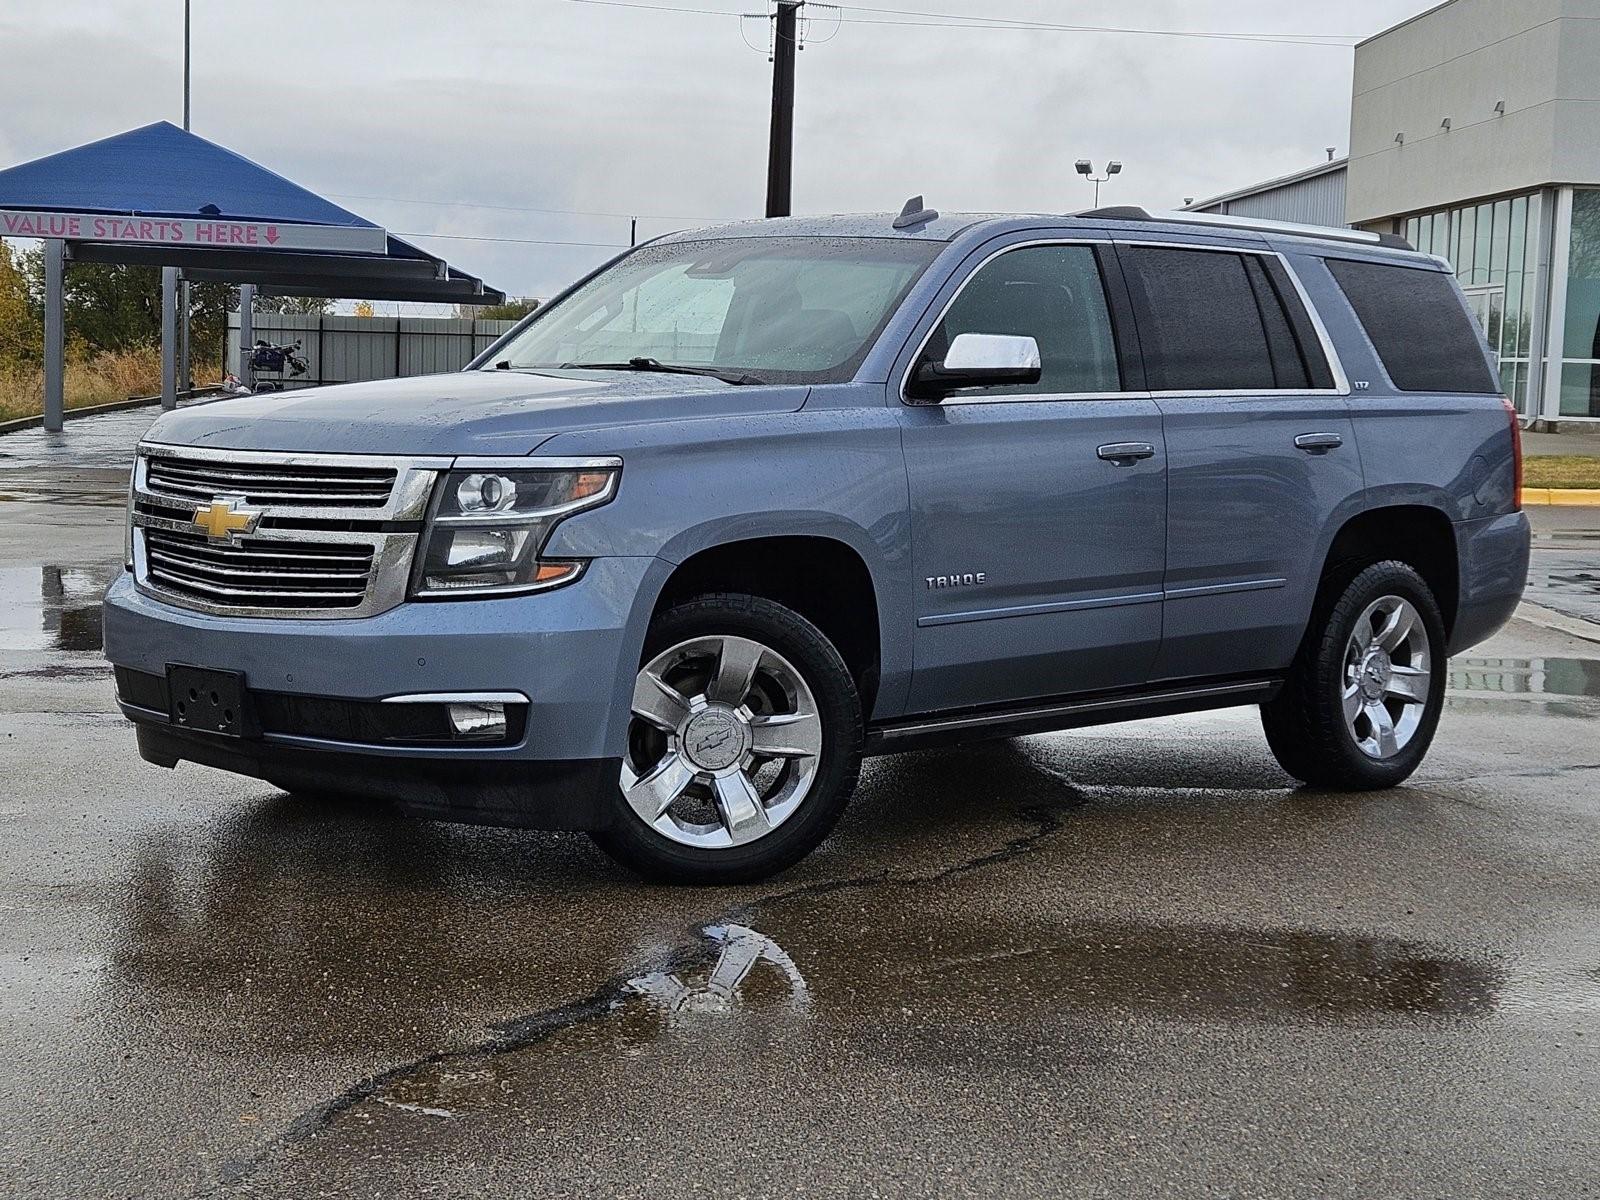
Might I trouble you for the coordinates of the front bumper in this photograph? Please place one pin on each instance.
(572, 652)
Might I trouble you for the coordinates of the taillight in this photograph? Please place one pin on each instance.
(1516, 454)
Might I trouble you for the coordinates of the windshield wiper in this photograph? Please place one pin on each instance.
(655, 364)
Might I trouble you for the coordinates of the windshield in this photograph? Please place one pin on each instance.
(777, 310)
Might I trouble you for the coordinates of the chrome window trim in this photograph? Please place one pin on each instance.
(1012, 398)
(1341, 380)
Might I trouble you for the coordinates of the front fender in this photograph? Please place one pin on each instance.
(835, 473)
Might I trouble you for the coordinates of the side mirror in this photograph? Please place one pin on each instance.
(978, 360)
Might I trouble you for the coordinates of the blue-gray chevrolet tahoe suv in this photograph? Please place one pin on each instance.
(749, 503)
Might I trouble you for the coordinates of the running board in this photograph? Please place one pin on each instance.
(944, 729)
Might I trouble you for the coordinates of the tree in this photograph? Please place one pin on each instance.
(21, 332)
(298, 306)
(511, 310)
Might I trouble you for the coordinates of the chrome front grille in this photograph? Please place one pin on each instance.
(301, 534)
(285, 485)
(259, 574)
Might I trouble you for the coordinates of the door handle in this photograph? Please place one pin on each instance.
(1318, 443)
(1123, 453)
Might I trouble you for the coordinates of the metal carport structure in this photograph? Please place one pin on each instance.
(161, 196)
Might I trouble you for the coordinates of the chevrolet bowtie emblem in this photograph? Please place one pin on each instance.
(224, 518)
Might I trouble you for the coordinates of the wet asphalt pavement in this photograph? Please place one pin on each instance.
(1116, 962)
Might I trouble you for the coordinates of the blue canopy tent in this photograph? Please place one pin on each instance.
(165, 197)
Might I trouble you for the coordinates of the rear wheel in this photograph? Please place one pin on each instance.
(1363, 698)
(744, 744)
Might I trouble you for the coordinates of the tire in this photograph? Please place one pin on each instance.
(705, 705)
(1354, 715)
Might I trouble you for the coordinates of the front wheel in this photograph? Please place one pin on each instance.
(744, 744)
(1363, 698)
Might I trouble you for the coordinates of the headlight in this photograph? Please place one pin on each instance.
(490, 521)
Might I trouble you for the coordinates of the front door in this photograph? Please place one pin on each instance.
(1038, 512)
(1261, 454)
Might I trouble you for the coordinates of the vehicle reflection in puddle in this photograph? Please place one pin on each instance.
(1543, 682)
(740, 950)
(52, 607)
(917, 985)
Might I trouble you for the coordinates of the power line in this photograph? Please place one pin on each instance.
(708, 12)
(966, 21)
(518, 208)
(467, 237)
(952, 20)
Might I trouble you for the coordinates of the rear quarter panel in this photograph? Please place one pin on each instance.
(1453, 453)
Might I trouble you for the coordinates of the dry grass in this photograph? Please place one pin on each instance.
(99, 379)
(1561, 471)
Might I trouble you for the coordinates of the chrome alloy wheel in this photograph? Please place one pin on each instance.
(724, 743)
(1387, 671)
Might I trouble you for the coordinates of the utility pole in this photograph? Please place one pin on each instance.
(183, 287)
(780, 152)
(186, 64)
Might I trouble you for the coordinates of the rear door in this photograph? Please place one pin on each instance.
(1038, 512)
(1261, 455)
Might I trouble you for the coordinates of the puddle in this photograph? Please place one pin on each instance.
(1525, 676)
(52, 607)
(716, 990)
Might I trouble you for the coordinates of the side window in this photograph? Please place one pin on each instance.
(1425, 337)
(1052, 294)
(1213, 321)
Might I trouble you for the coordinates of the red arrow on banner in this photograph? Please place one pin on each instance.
(272, 233)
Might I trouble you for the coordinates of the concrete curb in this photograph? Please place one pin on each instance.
(1546, 618)
(1567, 497)
(73, 414)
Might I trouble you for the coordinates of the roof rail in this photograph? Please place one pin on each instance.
(1254, 224)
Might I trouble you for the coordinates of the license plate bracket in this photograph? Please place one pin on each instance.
(209, 701)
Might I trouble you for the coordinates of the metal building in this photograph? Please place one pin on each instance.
(1311, 197)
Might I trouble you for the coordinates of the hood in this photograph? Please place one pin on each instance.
(468, 412)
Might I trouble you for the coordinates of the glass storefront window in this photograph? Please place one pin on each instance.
(1466, 239)
(1483, 229)
(1580, 389)
(1580, 369)
(1500, 245)
(1582, 338)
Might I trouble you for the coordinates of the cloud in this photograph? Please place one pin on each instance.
(549, 105)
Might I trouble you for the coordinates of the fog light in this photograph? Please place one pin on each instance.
(478, 722)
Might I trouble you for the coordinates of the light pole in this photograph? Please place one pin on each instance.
(1086, 168)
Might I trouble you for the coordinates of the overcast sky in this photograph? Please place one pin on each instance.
(551, 104)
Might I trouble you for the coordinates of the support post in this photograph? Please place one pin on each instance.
(1555, 321)
(247, 329)
(185, 376)
(169, 338)
(780, 149)
(55, 336)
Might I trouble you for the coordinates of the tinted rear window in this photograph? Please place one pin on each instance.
(1212, 320)
(1424, 336)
